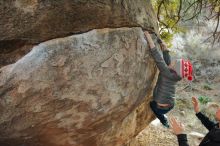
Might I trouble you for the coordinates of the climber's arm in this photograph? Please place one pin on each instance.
(163, 46)
(149, 40)
(166, 57)
(161, 64)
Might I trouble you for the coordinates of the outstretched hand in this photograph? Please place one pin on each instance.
(195, 103)
(149, 39)
(177, 127)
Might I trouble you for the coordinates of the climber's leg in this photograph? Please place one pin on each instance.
(159, 112)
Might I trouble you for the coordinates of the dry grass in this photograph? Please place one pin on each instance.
(155, 136)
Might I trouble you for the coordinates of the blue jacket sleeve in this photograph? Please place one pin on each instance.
(182, 140)
(205, 121)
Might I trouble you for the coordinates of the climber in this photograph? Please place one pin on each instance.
(212, 138)
(170, 73)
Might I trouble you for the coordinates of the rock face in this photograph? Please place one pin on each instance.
(25, 23)
(90, 89)
(39, 20)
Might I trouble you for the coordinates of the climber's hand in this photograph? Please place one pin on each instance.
(177, 127)
(149, 40)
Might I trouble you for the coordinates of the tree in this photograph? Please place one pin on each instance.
(171, 12)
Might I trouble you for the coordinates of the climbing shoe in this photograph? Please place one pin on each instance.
(166, 124)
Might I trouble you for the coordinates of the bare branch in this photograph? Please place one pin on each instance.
(187, 9)
(158, 14)
(179, 14)
(197, 10)
(216, 28)
(193, 10)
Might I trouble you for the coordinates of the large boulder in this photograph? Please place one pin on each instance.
(25, 23)
(39, 20)
(90, 89)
